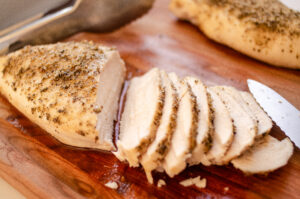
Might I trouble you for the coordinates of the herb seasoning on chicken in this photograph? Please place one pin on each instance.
(69, 89)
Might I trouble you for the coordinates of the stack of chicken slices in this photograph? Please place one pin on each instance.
(170, 123)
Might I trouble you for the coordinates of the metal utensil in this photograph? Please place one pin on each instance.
(69, 18)
(291, 4)
(283, 113)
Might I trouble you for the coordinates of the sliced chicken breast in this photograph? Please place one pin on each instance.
(141, 117)
(67, 89)
(245, 127)
(238, 98)
(156, 152)
(203, 138)
(267, 155)
(264, 122)
(223, 131)
(184, 137)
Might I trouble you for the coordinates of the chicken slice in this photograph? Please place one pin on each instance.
(156, 152)
(141, 116)
(71, 90)
(203, 139)
(238, 98)
(267, 155)
(263, 120)
(222, 132)
(245, 128)
(264, 123)
(183, 140)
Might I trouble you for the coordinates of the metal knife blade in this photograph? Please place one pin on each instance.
(291, 4)
(283, 113)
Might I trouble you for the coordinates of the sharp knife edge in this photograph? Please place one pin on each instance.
(283, 113)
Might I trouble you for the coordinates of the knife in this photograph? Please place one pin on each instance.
(283, 113)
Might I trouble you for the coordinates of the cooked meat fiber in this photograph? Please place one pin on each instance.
(263, 120)
(156, 152)
(245, 127)
(238, 98)
(203, 138)
(267, 155)
(141, 117)
(222, 132)
(69, 89)
(184, 137)
(245, 99)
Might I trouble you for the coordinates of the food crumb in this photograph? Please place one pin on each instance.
(226, 189)
(112, 185)
(200, 183)
(161, 183)
(122, 179)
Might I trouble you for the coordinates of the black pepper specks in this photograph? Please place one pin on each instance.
(58, 80)
(48, 116)
(80, 132)
(44, 89)
(56, 120)
(269, 15)
(98, 109)
(33, 110)
(63, 111)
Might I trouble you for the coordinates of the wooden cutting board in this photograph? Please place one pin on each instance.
(41, 167)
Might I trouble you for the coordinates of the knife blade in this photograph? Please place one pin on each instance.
(291, 4)
(282, 112)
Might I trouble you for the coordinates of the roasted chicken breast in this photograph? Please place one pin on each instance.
(263, 29)
(69, 89)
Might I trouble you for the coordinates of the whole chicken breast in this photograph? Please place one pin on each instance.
(266, 30)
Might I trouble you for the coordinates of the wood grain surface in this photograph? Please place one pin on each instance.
(41, 167)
